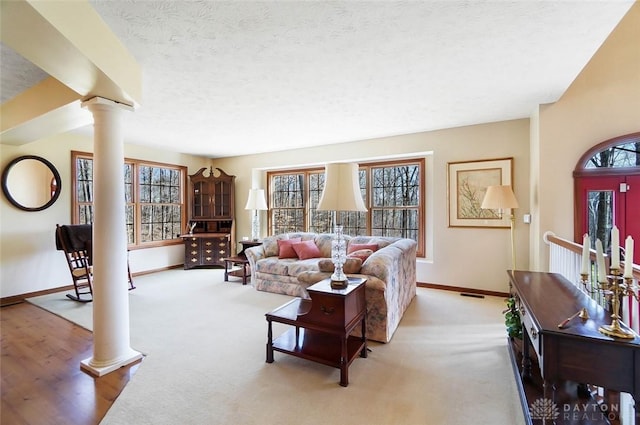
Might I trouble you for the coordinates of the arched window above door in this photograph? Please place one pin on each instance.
(620, 152)
(607, 190)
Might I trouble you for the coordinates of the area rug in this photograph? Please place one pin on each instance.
(204, 344)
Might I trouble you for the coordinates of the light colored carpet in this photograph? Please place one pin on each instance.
(204, 341)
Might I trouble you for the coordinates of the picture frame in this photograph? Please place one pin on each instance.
(467, 185)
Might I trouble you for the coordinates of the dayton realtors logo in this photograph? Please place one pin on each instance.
(544, 408)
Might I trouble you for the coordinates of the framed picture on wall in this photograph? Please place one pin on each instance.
(467, 185)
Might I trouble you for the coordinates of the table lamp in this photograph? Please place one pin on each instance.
(341, 193)
(256, 202)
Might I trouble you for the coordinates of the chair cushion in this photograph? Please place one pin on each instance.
(285, 248)
(306, 250)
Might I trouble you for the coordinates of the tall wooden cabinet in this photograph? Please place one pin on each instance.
(212, 209)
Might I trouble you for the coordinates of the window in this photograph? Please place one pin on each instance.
(393, 192)
(154, 199)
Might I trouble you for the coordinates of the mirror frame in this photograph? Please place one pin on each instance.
(52, 168)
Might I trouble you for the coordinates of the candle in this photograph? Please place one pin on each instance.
(602, 274)
(628, 257)
(586, 261)
(615, 248)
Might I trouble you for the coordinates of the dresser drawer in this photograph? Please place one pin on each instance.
(326, 310)
(529, 326)
(335, 310)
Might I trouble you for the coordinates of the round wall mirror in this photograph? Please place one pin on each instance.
(31, 183)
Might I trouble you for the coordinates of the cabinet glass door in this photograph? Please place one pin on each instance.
(201, 200)
(222, 202)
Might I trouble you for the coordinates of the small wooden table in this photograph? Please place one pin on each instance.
(247, 244)
(243, 271)
(322, 326)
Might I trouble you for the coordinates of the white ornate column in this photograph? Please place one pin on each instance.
(111, 349)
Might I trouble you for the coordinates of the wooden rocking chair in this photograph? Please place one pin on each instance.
(76, 242)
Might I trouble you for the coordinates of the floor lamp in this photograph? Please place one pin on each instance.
(341, 193)
(502, 198)
(255, 202)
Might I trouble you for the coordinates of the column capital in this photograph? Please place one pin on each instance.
(106, 102)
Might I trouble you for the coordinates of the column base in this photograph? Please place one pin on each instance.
(95, 369)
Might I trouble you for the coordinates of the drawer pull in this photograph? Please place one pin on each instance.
(328, 311)
(534, 333)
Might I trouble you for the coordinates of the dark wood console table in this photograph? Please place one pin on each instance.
(578, 352)
(322, 326)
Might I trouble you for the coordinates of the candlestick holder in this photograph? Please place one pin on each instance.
(614, 288)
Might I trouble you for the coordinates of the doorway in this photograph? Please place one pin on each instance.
(607, 192)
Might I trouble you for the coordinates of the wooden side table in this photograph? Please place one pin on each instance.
(243, 271)
(322, 326)
(247, 244)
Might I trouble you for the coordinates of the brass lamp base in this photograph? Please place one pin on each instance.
(339, 284)
(616, 331)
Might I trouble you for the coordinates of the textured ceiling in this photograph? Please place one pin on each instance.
(236, 77)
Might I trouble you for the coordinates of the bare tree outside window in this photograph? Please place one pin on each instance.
(153, 198)
(395, 201)
(391, 190)
(287, 203)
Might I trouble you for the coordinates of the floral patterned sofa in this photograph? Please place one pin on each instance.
(390, 271)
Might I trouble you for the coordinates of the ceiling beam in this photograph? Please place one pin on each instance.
(47, 108)
(69, 41)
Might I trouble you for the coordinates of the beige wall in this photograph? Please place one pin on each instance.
(28, 259)
(603, 102)
(466, 257)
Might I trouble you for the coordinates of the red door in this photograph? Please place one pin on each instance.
(632, 219)
(604, 201)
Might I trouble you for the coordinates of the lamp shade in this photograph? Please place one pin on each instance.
(341, 189)
(256, 200)
(499, 197)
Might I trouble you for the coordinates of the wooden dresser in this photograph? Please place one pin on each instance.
(205, 249)
(212, 209)
(577, 352)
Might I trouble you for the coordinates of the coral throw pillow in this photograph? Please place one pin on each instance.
(285, 248)
(362, 254)
(358, 246)
(306, 250)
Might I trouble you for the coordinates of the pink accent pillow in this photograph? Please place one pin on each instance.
(285, 248)
(306, 249)
(362, 254)
(358, 246)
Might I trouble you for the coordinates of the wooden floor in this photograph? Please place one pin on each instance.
(41, 380)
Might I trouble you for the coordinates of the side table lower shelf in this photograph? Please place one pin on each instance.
(317, 346)
(321, 327)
